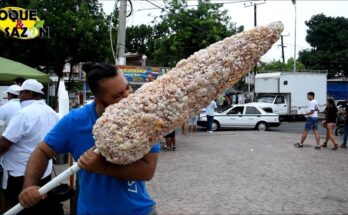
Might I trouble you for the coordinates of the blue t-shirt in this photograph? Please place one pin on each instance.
(99, 194)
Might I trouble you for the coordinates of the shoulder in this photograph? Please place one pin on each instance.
(81, 113)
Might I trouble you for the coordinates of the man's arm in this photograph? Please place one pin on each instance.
(4, 145)
(142, 169)
(310, 113)
(35, 169)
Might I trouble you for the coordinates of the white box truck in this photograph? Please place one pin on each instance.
(285, 93)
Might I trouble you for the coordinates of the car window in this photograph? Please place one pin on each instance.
(236, 110)
(266, 99)
(252, 110)
(280, 100)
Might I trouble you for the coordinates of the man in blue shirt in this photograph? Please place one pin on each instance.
(105, 188)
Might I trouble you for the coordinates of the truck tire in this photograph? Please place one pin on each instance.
(262, 126)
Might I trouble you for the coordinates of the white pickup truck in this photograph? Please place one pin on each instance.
(285, 93)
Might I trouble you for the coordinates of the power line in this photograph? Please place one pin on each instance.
(192, 25)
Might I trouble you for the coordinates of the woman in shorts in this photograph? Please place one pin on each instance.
(330, 123)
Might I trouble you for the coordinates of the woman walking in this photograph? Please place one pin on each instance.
(330, 123)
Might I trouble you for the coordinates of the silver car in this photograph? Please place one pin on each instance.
(242, 116)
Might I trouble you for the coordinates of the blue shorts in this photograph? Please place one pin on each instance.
(312, 124)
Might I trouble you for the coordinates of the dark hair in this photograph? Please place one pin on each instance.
(37, 95)
(97, 72)
(19, 80)
(13, 95)
(331, 102)
(311, 94)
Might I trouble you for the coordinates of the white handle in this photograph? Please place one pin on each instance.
(50, 185)
(47, 187)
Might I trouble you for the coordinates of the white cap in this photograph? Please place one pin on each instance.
(32, 85)
(13, 89)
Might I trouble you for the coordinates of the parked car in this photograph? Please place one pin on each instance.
(242, 116)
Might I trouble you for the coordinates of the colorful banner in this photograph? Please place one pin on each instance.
(142, 74)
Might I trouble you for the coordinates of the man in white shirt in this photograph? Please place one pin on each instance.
(312, 121)
(8, 110)
(24, 132)
(210, 115)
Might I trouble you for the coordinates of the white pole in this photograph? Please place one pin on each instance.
(47, 187)
(294, 2)
(121, 36)
(50, 185)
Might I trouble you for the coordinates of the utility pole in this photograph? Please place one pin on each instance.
(255, 24)
(294, 2)
(282, 45)
(121, 34)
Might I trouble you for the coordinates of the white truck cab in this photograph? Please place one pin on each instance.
(285, 93)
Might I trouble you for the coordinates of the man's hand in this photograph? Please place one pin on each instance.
(92, 162)
(30, 196)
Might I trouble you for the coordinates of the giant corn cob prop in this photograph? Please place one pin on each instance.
(127, 130)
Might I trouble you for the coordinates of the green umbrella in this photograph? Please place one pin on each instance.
(10, 70)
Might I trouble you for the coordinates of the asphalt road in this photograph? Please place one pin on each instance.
(285, 127)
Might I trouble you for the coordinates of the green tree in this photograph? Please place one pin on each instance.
(183, 30)
(277, 65)
(140, 39)
(328, 38)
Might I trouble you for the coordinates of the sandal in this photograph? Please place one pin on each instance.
(335, 147)
(317, 147)
(298, 145)
(324, 145)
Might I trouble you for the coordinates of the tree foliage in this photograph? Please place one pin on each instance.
(328, 38)
(183, 30)
(280, 66)
(140, 39)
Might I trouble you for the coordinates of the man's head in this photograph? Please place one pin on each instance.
(310, 96)
(18, 81)
(31, 89)
(12, 92)
(107, 85)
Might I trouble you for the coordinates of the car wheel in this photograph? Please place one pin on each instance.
(215, 126)
(261, 126)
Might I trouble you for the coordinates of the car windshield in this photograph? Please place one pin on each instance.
(266, 99)
(223, 109)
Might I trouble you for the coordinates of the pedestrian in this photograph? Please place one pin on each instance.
(8, 110)
(18, 81)
(170, 141)
(184, 128)
(210, 115)
(104, 188)
(23, 133)
(312, 121)
(227, 102)
(192, 124)
(345, 126)
(330, 123)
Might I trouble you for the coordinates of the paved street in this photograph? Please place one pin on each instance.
(251, 172)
